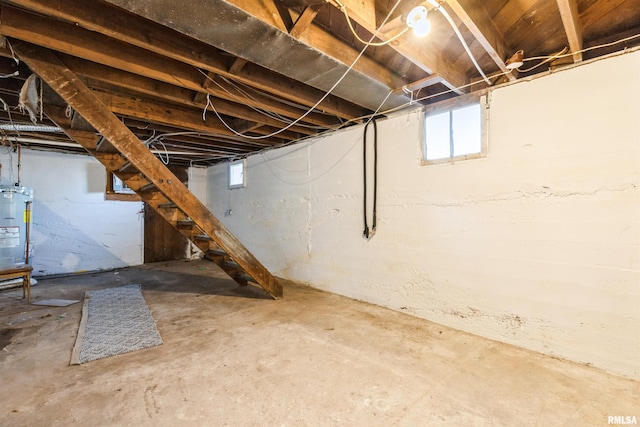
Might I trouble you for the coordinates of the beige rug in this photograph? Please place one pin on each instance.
(114, 321)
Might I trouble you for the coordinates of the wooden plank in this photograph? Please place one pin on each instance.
(163, 241)
(113, 22)
(416, 51)
(361, 11)
(63, 81)
(305, 19)
(235, 68)
(165, 114)
(181, 117)
(475, 18)
(325, 42)
(420, 84)
(570, 20)
(283, 11)
(94, 47)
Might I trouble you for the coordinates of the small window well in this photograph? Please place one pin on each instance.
(237, 176)
(455, 134)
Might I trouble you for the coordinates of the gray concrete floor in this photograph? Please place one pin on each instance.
(233, 357)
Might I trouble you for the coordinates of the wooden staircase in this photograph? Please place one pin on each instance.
(120, 151)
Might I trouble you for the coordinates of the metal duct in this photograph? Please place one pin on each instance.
(29, 128)
(229, 28)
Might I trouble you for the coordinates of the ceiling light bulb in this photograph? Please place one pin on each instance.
(417, 20)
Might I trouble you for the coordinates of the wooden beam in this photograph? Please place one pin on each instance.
(420, 84)
(116, 80)
(92, 46)
(165, 114)
(324, 42)
(571, 21)
(416, 51)
(283, 11)
(474, 16)
(69, 86)
(361, 11)
(107, 20)
(172, 115)
(237, 65)
(304, 20)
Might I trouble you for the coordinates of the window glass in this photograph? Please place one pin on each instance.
(467, 132)
(454, 134)
(236, 174)
(438, 140)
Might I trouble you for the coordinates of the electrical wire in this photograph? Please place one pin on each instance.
(343, 9)
(273, 115)
(347, 71)
(444, 13)
(548, 59)
(600, 46)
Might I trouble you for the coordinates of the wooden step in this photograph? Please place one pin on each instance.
(148, 187)
(202, 237)
(217, 253)
(170, 205)
(128, 168)
(243, 279)
(231, 265)
(185, 223)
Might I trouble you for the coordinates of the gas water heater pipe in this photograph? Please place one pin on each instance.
(19, 164)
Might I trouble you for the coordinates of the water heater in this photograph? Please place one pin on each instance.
(13, 224)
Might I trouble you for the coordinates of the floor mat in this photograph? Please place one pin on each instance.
(56, 302)
(114, 321)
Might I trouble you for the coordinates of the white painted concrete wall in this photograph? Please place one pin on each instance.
(74, 228)
(537, 245)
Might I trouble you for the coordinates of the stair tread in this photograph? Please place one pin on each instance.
(232, 264)
(218, 252)
(246, 277)
(147, 187)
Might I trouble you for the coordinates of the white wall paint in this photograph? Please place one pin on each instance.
(74, 228)
(537, 244)
(198, 182)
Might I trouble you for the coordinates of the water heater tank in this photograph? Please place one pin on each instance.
(13, 221)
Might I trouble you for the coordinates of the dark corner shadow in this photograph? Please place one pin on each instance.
(168, 281)
(160, 280)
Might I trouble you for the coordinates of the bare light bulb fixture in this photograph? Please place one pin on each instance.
(418, 22)
(516, 60)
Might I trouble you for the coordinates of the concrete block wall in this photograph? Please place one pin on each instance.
(537, 244)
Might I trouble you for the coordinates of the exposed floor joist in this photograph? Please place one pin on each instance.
(104, 19)
(571, 21)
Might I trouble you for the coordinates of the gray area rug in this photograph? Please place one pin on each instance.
(114, 321)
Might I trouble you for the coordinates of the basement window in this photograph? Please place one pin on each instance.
(118, 190)
(454, 134)
(237, 176)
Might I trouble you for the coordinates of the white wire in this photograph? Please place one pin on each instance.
(320, 100)
(548, 59)
(533, 58)
(353, 31)
(273, 115)
(7, 76)
(13, 54)
(439, 8)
